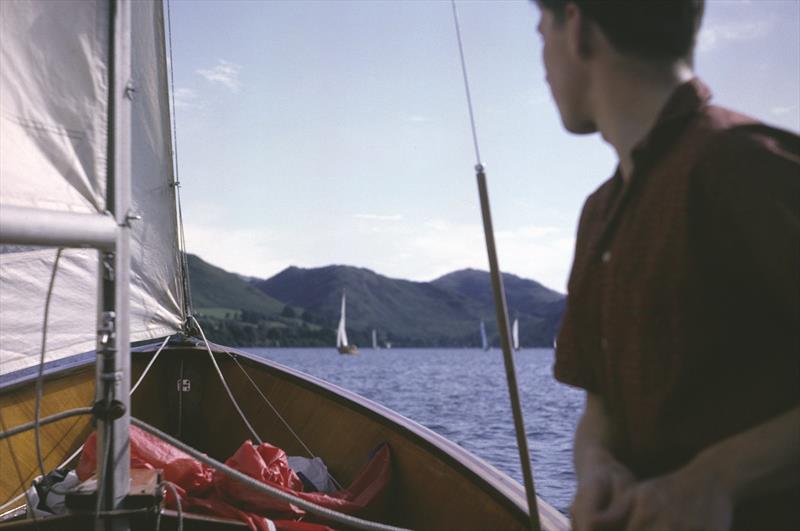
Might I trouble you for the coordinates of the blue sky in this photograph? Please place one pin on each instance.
(336, 132)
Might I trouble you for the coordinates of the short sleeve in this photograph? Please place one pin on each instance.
(573, 363)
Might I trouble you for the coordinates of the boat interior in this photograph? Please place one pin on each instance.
(434, 483)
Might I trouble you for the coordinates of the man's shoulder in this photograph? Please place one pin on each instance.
(729, 135)
(740, 157)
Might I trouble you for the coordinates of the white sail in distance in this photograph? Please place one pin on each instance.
(484, 339)
(515, 334)
(341, 333)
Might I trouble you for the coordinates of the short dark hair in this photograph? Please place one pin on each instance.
(651, 29)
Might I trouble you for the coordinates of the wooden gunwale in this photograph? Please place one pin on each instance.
(454, 455)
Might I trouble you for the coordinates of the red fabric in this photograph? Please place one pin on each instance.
(205, 491)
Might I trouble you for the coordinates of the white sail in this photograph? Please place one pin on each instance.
(375, 339)
(341, 333)
(484, 340)
(515, 334)
(53, 152)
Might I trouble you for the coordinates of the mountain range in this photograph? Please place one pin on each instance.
(300, 306)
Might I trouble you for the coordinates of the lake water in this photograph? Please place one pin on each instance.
(462, 395)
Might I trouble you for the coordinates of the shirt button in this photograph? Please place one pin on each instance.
(606, 257)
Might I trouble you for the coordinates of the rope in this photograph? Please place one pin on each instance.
(45, 421)
(16, 467)
(171, 486)
(344, 519)
(40, 376)
(285, 423)
(225, 384)
(146, 369)
(466, 84)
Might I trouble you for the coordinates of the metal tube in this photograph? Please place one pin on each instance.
(113, 352)
(508, 357)
(54, 228)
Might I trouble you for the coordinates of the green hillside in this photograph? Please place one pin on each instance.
(216, 292)
(445, 312)
(300, 307)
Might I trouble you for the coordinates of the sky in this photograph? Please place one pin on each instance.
(312, 133)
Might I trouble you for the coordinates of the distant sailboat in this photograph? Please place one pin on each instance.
(341, 333)
(515, 334)
(484, 340)
(375, 340)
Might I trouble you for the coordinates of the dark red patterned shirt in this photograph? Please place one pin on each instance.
(683, 311)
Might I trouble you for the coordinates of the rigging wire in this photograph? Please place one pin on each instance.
(225, 384)
(187, 294)
(500, 305)
(146, 369)
(285, 423)
(466, 86)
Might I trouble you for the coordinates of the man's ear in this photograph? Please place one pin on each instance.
(578, 31)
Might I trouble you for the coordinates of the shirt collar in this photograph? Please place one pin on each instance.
(685, 101)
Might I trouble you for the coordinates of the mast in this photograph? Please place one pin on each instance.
(112, 405)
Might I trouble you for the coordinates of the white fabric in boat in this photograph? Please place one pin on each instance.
(53, 151)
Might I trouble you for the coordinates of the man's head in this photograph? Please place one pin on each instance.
(657, 33)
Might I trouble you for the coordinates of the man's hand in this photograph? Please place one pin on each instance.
(602, 487)
(681, 501)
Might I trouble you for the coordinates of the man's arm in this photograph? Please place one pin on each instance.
(601, 478)
(755, 462)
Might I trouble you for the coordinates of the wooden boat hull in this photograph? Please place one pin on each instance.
(435, 484)
(348, 349)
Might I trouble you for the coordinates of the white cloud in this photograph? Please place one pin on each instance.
(224, 73)
(716, 35)
(186, 98)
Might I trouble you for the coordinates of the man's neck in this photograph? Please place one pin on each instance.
(627, 102)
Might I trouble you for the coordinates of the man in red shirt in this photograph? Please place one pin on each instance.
(683, 314)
